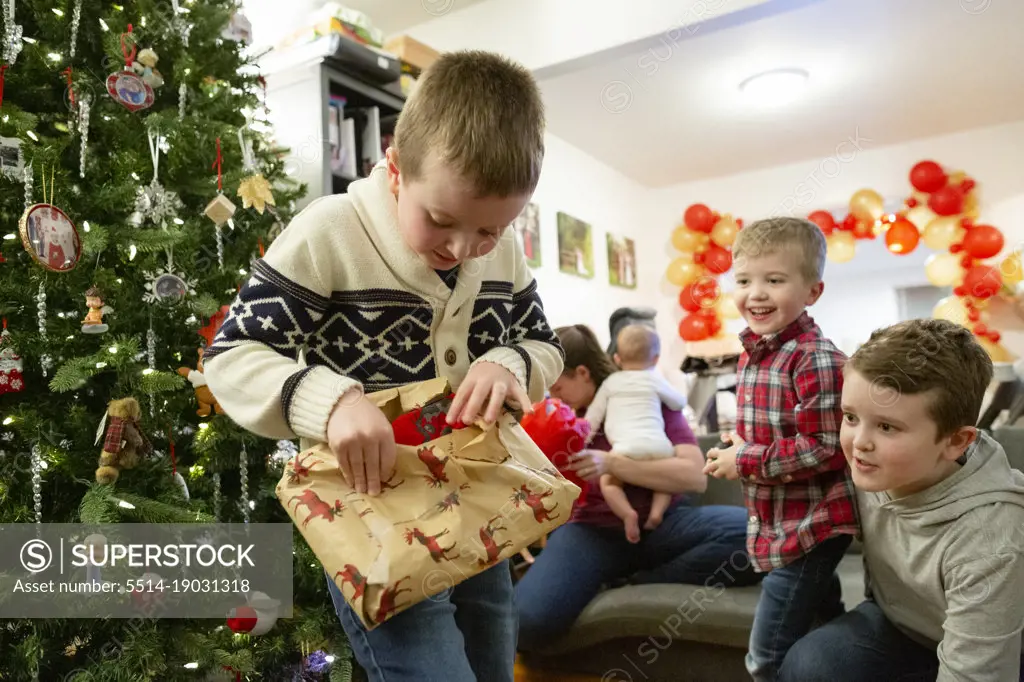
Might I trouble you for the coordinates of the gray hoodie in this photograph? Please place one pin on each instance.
(946, 565)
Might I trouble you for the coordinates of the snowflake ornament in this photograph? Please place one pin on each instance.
(167, 286)
(156, 204)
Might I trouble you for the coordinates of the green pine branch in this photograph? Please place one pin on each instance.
(155, 382)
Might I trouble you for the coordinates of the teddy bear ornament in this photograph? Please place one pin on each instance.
(124, 441)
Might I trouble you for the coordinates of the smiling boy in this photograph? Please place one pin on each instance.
(412, 274)
(942, 515)
(799, 496)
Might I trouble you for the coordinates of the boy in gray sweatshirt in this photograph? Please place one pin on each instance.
(942, 520)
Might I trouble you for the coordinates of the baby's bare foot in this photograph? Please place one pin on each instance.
(632, 522)
(653, 521)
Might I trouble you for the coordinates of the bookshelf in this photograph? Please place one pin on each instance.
(332, 112)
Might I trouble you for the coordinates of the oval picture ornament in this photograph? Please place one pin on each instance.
(130, 90)
(50, 237)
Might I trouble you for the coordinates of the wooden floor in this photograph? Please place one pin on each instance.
(524, 674)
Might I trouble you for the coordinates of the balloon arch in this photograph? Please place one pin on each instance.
(941, 212)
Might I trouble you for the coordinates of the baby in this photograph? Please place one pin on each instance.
(632, 400)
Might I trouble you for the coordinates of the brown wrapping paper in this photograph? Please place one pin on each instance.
(454, 507)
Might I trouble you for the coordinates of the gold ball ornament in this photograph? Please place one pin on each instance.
(842, 247)
(943, 232)
(944, 270)
(682, 271)
(867, 204)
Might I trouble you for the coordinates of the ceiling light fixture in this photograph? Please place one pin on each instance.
(775, 87)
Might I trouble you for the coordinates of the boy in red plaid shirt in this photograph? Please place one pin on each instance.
(786, 450)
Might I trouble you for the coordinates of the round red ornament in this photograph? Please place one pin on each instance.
(242, 619)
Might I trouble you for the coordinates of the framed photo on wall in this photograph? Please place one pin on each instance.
(575, 246)
(527, 227)
(621, 262)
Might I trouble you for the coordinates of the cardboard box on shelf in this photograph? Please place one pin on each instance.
(412, 51)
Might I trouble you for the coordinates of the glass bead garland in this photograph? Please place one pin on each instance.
(29, 180)
(216, 497)
(37, 482)
(45, 361)
(182, 95)
(243, 463)
(151, 357)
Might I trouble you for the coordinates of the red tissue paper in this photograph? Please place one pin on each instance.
(425, 423)
(559, 434)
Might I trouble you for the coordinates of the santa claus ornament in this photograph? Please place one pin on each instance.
(256, 618)
(10, 365)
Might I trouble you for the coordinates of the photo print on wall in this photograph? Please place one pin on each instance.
(621, 262)
(575, 246)
(527, 227)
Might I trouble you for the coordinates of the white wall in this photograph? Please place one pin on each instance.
(577, 184)
(990, 155)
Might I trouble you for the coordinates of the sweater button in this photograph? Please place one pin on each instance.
(450, 357)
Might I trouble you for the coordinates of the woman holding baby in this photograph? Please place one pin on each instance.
(691, 544)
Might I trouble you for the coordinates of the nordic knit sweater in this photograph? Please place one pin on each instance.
(339, 301)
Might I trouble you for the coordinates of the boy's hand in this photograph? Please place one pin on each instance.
(722, 461)
(486, 388)
(360, 436)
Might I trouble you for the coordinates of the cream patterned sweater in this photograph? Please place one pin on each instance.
(339, 301)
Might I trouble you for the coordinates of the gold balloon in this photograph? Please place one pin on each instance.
(683, 271)
(971, 208)
(996, 351)
(867, 204)
(943, 232)
(842, 247)
(943, 270)
(921, 216)
(951, 309)
(1012, 270)
(727, 309)
(724, 232)
(686, 240)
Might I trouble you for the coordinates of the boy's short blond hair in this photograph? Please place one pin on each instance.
(936, 356)
(480, 113)
(772, 234)
(637, 343)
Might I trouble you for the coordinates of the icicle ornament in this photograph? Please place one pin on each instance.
(37, 482)
(12, 33)
(84, 109)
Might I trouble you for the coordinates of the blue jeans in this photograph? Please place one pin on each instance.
(464, 634)
(792, 598)
(859, 645)
(694, 545)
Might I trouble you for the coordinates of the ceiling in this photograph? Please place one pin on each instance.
(894, 70)
(272, 20)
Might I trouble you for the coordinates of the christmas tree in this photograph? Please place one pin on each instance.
(138, 183)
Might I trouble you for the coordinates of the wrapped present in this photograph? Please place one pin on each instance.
(454, 506)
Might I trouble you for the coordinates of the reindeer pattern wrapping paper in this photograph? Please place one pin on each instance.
(454, 507)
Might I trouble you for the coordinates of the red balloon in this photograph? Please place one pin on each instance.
(947, 201)
(694, 327)
(717, 259)
(710, 316)
(902, 236)
(699, 218)
(824, 220)
(983, 281)
(863, 229)
(983, 241)
(700, 294)
(928, 177)
(973, 314)
(849, 223)
(994, 336)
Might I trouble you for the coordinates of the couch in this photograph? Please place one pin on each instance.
(676, 633)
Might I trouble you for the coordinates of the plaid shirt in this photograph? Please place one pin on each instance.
(796, 481)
